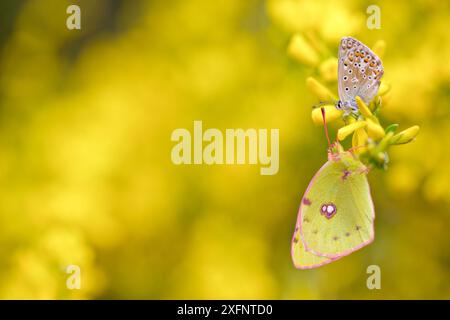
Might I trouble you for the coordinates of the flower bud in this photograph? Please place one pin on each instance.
(384, 88)
(363, 108)
(405, 136)
(349, 129)
(374, 130)
(301, 50)
(322, 92)
(328, 69)
(331, 114)
(359, 140)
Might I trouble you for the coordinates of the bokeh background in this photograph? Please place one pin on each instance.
(85, 171)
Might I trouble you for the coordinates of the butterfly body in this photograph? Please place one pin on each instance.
(336, 214)
(359, 74)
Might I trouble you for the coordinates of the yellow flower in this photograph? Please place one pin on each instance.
(363, 108)
(322, 92)
(384, 143)
(405, 136)
(301, 50)
(331, 114)
(345, 131)
(384, 88)
(328, 69)
(359, 140)
(374, 130)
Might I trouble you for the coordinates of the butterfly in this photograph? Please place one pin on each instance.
(336, 214)
(359, 74)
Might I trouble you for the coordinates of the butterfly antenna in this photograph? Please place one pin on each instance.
(325, 126)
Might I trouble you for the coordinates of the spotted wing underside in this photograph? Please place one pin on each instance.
(336, 215)
(303, 259)
(359, 72)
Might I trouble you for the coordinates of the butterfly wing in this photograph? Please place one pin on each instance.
(359, 71)
(344, 88)
(337, 214)
(303, 259)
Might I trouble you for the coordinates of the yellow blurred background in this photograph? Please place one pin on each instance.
(86, 176)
